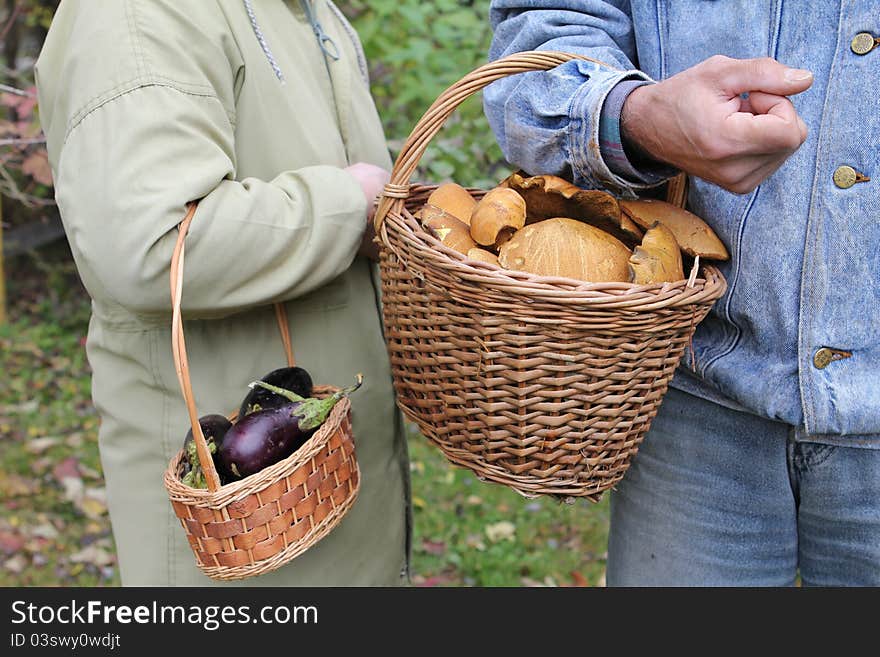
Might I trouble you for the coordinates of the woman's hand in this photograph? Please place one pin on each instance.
(372, 180)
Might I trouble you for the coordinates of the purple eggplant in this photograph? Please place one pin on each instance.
(267, 436)
(294, 379)
(214, 428)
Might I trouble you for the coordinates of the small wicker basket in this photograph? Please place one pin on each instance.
(543, 384)
(259, 523)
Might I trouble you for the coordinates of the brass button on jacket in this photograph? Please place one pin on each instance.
(845, 177)
(825, 356)
(863, 43)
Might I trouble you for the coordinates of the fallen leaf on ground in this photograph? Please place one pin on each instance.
(436, 580)
(10, 542)
(528, 581)
(74, 489)
(89, 473)
(36, 545)
(501, 531)
(29, 406)
(40, 445)
(16, 564)
(68, 468)
(93, 503)
(45, 530)
(40, 465)
(436, 548)
(14, 485)
(93, 555)
(475, 541)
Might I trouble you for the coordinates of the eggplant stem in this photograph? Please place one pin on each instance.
(347, 391)
(287, 394)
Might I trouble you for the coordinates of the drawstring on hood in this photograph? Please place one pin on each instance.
(327, 44)
(265, 46)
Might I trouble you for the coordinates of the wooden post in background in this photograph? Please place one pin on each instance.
(2, 275)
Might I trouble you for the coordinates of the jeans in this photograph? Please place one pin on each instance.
(717, 497)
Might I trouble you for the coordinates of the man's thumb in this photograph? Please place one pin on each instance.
(740, 75)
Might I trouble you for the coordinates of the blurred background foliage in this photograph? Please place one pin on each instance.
(25, 178)
(54, 527)
(416, 50)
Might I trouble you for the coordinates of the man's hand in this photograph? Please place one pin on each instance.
(372, 179)
(725, 120)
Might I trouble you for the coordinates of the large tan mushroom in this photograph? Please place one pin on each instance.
(549, 196)
(565, 247)
(454, 199)
(693, 235)
(658, 258)
(446, 228)
(497, 216)
(481, 255)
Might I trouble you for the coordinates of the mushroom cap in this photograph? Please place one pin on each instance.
(551, 196)
(454, 199)
(658, 258)
(446, 228)
(693, 235)
(500, 212)
(561, 246)
(481, 255)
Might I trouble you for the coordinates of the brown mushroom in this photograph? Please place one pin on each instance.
(481, 255)
(565, 247)
(455, 200)
(551, 196)
(499, 214)
(446, 228)
(658, 258)
(693, 235)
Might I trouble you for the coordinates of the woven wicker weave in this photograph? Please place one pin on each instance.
(546, 385)
(261, 522)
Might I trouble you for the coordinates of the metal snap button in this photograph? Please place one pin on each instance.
(863, 43)
(825, 356)
(845, 177)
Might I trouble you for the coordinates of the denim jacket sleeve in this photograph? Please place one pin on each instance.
(548, 121)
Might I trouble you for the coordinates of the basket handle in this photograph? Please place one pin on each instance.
(397, 189)
(178, 347)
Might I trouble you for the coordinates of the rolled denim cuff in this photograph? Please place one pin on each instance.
(589, 167)
(638, 170)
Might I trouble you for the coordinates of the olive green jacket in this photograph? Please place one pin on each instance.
(149, 104)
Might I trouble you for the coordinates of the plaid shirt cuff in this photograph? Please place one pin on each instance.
(637, 170)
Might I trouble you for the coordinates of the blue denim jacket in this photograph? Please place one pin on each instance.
(805, 254)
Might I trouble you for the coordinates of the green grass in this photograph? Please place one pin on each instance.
(473, 533)
(54, 528)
